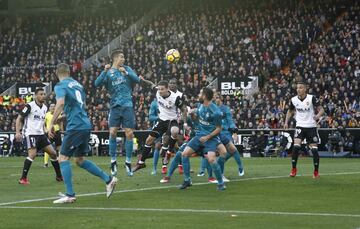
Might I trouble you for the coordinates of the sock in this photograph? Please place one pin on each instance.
(112, 148)
(67, 176)
(186, 167)
(92, 168)
(221, 163)
(316, 158)
(295, 155)
(55, 164)
(27, 163)
(129, 145)
(164, 150)
(228, 156)
(46, 158)
(174, 164)
(238, 160)
(208, 168)
(216, 168)
(145, 154)
(172, 142)
(156, 157)
(202, 165)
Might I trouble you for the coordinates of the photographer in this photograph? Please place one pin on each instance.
(349, 142)
(335, 141)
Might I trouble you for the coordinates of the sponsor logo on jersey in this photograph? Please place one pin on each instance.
(164, 105)
(202, 121)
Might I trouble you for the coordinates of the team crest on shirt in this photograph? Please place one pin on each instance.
(315, 139)
(307, 103)
(170, 103)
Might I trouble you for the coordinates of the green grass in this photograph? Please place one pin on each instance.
(248, 202)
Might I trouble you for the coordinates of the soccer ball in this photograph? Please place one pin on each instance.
(173, 55)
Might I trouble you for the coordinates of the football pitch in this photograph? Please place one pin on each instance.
(264, 198)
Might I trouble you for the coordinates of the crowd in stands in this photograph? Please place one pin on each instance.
(314, 41)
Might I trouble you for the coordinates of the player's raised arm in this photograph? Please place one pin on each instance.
(289, 114)
(101, 79)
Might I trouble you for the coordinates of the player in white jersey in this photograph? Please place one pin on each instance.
(307, 113)
(30, 121)
(179, 137)
(168, 103)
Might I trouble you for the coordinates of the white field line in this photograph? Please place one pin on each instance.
(188, 211)
(169, 186)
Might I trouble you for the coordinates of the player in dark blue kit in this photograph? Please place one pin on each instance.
(206, 138)
(70, 98)
(119, 81)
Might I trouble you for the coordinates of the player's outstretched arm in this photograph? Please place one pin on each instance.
(101, 79)
(148, 82)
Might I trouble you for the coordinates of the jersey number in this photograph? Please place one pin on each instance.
(78, 97)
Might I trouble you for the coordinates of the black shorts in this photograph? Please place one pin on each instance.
(56, 139)
(161, 127)
(309, 133)
(37, 141)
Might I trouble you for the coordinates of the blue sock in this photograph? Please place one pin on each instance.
(67, 176)
(208, 167)
(221, 162)
(186, 167)
(203, 165)
(174, 164)
(156, 158)
(238, 160)
(129, 145)
(228, 156)
(112, 148)
(216, 168)
(92, 168)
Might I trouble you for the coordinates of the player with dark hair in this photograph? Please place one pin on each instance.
(119, 80)
(206, 139)
(305, 106)
(168, 103)
(31, 121)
